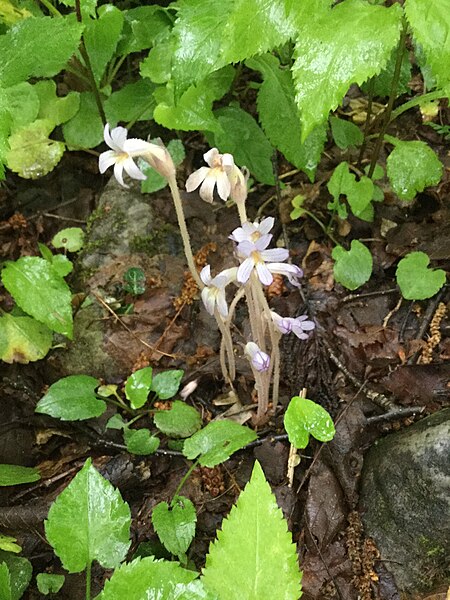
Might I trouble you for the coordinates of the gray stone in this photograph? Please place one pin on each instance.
(405, 502)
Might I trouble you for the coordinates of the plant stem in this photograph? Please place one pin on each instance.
(367, 123)
(416, 102)
(51, 9)
(184, 479)
(392, 96)
(88, 581)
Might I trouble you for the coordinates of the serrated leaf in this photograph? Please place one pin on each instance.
(153, 580)
(101, 36)
(430, 23)
(411, 167)
(181, 421)
(23, 339)
(137, 387)
(276, 103)
(56, 109)
(85, 129)
(102, 521)
(304, 418)
(16, 475)
(352, 268)
(31, 153)
(239, 566)
(211, 34)
(242, 137)
(39, 47)
(341, 49)
(155, 181)
(216, 442)
(175, 524)
(10, 13)
(166, 384)
(416, 280)
(49, 583)
(40, 292)
(141, 28)
(71, 239)
(134, 102)
(72, 398)
(19, 570)
(22, 102)
(345, 133)
(140, 441)
(359, 193)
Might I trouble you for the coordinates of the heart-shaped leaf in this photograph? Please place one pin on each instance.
(304, 418)
(137, 387)
(180, 421)
(415, 279)
(175, 524)
(352, 268)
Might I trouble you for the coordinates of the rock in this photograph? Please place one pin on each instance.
(405, 502)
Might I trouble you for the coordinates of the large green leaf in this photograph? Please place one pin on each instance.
(134, 102)
(23, 339)
(72, 398)
(85, 129)
(37, 46)
(22, 103)
(148, 579)
(175, 524)
(352, 268)
(416, 280)
(101, 37)
(242, 137)
(303, 418)
(253, 557)
(14, 583)
(216, 442)
(348, 45)
(40, 291)
(16, 474)
(89, 521)
(52, 107)
(141, 27)
(180, 421)
(276, 103)
(411, 167)
(214, 33)
(430, 23)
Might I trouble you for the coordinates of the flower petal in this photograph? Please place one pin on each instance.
(262, 242)
(264, 275)
(136, 147)
(196, 178)
(266, 225)
(275, 254)
(223, 186)
(245, 270)
(118, 174)
(106, 160)
(245, 248)
(209, 299)
(133, 171)
(205, 274)
(222, 305)
(207, 188)
(211, 157)
(227, 162)
(118, 138)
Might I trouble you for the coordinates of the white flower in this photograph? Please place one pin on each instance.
(123, 151)
(283, 324)
(252, 231)
(259, 359)
(256, 256)
(213, 294)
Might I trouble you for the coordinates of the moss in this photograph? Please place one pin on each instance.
(161, 241)
(436, 567)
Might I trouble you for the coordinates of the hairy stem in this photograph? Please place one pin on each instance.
(367, 123)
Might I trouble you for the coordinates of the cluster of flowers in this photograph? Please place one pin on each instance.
(257, 262)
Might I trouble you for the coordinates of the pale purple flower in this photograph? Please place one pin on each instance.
(252, 231)
(259, 359)
(283, 324)
(123, 151)
(213, 294)
(256, 256)
(301, 326)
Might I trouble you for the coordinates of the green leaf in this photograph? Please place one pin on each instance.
(15, 475)
(359, 193)
(239, 565)
(40, 292)
(23, 339)
(345, 133)
(31, 153)
(158, 64)
(134, 279)
(382, 83)
(140, 441)
(211, 34)
(61, 265)
(52, 107)
(411, 167)
(116, 421)
(416, 280)
(175, 524)
(242, 137)
(141, 28)
(341, 49)
(166, 384)
(153, 580)
(276, 103)
(304, 418)
(352, 268)
(85, 129)
(48, 583)
(430, 23)
(38, 47)
(89, 521)
(5, 582)
(71, 239)
(72, 398)
(87, 7)
(137, 387)
(19, 570)
(8, 544)
(22, 102)
(101, 37)
(216, 442)
(181, 421)
(155, 181)
(133, 102)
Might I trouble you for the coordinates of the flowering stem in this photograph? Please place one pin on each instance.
(242, 212)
